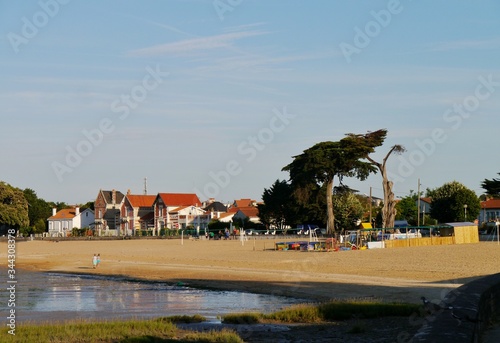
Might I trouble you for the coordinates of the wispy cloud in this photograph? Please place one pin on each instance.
(195, 44)
(468, 44)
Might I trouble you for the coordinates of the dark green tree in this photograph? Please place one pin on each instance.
(13, 207)
(347, 207)
(319, 165)
(406, 209)
(454, 202)
(492, 187)
(38, 210)
(279, 206)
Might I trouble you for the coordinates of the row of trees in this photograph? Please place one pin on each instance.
(23, 210)
(311, 189)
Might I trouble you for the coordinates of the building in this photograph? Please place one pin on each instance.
(184, 217)
(166, 210)
(248, 212)
(216, 209)
(107, 208)
(136, 213)
(62, 222)
(490, 211)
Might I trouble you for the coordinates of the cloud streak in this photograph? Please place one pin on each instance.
(188, 46)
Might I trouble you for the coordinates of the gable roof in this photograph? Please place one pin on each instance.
(141, 200)
(244, 202)
(491, 203)
(249, 211)
(216, 206)
(426, 199)
(66, 213)
(108, 196)
(179, 199)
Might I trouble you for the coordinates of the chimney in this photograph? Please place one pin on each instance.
(54, 211)
(113, 197)
(77, 210)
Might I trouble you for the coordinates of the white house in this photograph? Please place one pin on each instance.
(62, 222)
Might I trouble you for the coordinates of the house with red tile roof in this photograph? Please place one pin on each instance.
(490, 211)
(185, 216)
(165, 203)
(245, 203)
(250, 212)
(62, 222)
(136, 213)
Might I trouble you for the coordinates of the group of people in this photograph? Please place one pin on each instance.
(96, 260)
(221, 235)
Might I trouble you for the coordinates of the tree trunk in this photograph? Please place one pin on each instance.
(329, 206)
(389, 208)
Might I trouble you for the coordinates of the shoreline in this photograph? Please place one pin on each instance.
(398, 274)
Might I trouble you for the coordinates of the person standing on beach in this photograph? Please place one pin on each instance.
(98, 260)
(94, 261)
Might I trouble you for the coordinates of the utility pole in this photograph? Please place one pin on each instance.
(370, 204)
(145, 186)
(418, 203)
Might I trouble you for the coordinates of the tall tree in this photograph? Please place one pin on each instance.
(454, 202)
(492, 187)
(38, 210)
(347, 208)
(406, 208)
(320, 164)
(277, 209)
(389, 204)
(13, 207)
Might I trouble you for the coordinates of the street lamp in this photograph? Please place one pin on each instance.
(465, 212)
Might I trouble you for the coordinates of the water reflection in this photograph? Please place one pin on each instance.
(54, 297)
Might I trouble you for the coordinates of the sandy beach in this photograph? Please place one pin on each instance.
(398, 274)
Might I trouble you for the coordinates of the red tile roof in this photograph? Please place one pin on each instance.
(180, 199)
(141, 200)
(249, 211)
(492, 203)
(244, 202)
(67, 213)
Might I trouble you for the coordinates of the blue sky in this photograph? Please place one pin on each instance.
(215, 97)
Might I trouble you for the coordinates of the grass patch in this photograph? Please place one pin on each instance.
(135, 331)
(342, 310)
(183, 319)
(242, 318)
(330, 311)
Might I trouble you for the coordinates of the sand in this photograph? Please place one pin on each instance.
(398, 274)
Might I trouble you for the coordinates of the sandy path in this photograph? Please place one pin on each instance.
(399, 274)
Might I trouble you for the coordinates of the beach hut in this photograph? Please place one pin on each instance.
(463, 232)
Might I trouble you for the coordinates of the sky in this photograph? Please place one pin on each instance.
(215, 97)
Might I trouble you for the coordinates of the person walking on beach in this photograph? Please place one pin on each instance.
(94, 261)
(98, 260)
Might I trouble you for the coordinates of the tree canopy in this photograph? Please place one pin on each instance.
(319, 165)
(453, 202)
(13, 207)
(492, 187)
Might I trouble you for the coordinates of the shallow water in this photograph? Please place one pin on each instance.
(42, 297)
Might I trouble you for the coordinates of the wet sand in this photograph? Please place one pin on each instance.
(398, 274)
